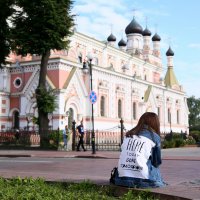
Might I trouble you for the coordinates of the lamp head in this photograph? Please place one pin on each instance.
(85, 67)
(90, 56)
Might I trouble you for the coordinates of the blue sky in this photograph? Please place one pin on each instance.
(176, 21)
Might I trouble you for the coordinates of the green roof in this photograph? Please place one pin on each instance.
(72, 72)
(170, 78)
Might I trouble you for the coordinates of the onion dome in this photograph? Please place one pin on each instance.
(111, 38)
(156, 37)
(169, 52)
(122, 43)
(146, 32)
(133, 27)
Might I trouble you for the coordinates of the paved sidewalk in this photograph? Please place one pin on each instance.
(180, 168)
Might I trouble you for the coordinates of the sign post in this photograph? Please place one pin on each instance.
(93, 97)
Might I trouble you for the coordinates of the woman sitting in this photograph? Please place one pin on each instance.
(136, 168)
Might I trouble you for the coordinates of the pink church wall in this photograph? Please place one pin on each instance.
(63, 75)
(14, 102)
(58, 77)
(24, 78)
(27, 77)
(13, 77)
(54, 77)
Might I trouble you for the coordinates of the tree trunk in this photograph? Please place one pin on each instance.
(43, 69)
(43, 117)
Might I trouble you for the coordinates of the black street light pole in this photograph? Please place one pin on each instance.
(93, 134)
(170, 122)
(90, 71)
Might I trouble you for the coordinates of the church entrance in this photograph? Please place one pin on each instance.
(70, 118)
(16, 120)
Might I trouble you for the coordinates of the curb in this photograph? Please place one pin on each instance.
(15, 155)
(119, 191)
(90, 156)
(44, 156)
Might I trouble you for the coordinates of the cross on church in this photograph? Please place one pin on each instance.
(146, 20)
(134, 10)
(169, 40)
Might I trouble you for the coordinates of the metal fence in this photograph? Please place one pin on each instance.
(53, 139)
(28, 139)
(104, 140)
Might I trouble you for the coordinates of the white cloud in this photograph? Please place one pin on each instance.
(194, 45)
(101, 14)
(95, 18)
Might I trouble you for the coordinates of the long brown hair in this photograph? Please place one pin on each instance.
(148, 120)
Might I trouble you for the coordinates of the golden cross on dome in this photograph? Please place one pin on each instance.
(111, 28)
(134, 10)
(146, 20)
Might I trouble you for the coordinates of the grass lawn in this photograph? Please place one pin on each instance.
(38, 189)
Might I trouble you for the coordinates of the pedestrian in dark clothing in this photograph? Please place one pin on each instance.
(80, 133)
(17, 134)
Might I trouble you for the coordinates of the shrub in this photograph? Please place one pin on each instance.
(168, 144)
(190, 140)
(179, 142)
(174, 140)
(50, 139)
(195, 135)
(168, 137)
(55, 136)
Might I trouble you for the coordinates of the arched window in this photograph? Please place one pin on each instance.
(80, 58)
(169, 115)
(134, 110)
(178, 114)
(70, 118)
(16, 120)
(102, 106)
(119, 108)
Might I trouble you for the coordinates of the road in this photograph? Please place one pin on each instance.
(59, 169)
(174, 172)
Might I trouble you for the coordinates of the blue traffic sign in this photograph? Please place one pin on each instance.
(93, 97)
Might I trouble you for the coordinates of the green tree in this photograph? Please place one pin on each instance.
(40, 26)
(6, 11)
(194, 109)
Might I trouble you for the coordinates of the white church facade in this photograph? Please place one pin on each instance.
(126, 77)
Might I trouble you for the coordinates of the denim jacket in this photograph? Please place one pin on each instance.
(154, 180)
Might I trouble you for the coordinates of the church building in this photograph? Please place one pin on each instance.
(128, 79)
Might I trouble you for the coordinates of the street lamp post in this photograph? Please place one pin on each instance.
(170, 122)
(85, 69)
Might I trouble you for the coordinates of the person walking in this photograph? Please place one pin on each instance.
(80, 133)
(136, 165)
(17, 135)
(65, 137)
